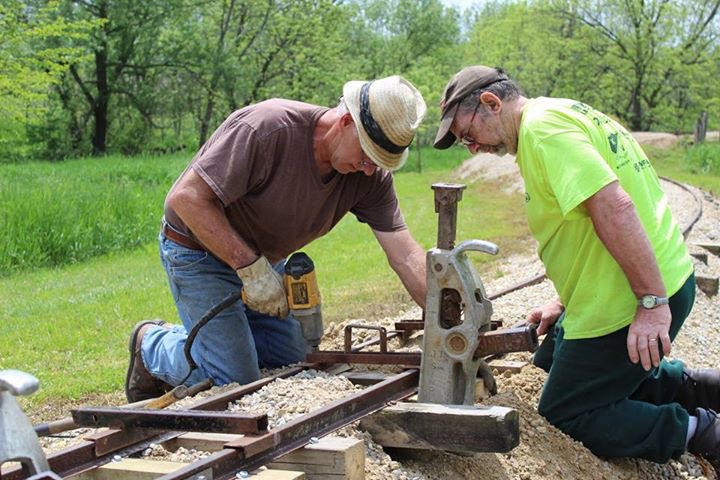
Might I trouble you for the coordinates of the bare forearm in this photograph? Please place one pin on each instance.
(202, 212)
(407, 259)
(619, 228)
(413, 275)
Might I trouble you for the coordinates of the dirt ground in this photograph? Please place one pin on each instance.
(544, 452)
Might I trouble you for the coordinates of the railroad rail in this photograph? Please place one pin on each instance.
(132, 430)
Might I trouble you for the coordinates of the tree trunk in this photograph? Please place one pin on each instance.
(701, 127)
(100, 106)
(636, 116)
(205, 122)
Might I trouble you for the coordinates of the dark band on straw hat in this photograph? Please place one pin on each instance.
(372, 128)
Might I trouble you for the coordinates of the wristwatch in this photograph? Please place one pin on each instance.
(652, 301)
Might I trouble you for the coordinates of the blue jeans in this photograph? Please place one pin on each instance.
(235, 344)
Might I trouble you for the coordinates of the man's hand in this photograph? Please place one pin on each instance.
(545, 316)
(264, 290)
(649, 328)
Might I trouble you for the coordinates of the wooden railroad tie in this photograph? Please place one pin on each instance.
(709, 285)
(330, 458)
(712, 247)
(142, 469)
(700, 256)
(454, 428)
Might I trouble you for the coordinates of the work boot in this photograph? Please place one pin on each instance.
(700, 389)
(706, 439)
(139, 383)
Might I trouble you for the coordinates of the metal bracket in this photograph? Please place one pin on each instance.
(356, 326)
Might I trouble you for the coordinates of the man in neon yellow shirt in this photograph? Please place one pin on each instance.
(619, 264)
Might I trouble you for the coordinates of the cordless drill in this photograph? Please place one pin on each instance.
(304, 297)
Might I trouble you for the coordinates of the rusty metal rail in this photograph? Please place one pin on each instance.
(257, 447)
(99, 448)
(254, 451)
(191, 421)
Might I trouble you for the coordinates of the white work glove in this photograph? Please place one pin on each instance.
(264, 290)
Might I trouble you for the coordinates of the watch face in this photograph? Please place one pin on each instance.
(648, 301)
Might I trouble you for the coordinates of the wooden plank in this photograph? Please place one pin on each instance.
(331, 458)
(338, 368)
(700, 256)
(456, 428)
(269, 474)
(143, 469)
(365, 378)
(712, 247)
(506, 365)
(206, 442)
(132, 469)
(709, 285)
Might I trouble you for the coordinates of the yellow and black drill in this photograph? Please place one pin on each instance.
(304, 297)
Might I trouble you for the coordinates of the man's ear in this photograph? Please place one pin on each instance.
(491, 101)
(346, 119)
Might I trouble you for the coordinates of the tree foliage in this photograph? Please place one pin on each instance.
(34, 54)
(645, 62)
(87, 77)
(658, 45)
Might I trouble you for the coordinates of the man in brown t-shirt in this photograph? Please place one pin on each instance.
(273, 177)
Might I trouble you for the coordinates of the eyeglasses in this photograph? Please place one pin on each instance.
(464, 139)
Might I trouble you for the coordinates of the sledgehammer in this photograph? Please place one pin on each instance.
(177, 393)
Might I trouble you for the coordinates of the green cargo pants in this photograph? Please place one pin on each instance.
(597, 396)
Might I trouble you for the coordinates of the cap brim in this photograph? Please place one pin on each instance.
(444, 138)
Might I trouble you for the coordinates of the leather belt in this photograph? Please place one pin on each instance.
(181, 239)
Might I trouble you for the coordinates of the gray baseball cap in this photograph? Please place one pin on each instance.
(464, 82)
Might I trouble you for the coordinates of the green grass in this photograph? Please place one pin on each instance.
(69, 325)
(59, 213)
(698, 166)
(429, 159)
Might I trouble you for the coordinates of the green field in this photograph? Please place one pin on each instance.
(83, 268)
(699, 166)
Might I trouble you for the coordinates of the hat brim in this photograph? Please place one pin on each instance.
(381, 157)
(444, 138)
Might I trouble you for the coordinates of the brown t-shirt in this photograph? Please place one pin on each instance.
(261, 165)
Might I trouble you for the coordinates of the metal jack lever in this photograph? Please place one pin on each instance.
(18, 441)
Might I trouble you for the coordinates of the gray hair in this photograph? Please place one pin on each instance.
(342, 107)
(505, 90)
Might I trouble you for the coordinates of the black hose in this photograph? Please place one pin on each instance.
(209, 315)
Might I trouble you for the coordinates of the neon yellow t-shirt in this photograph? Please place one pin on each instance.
(567, 152)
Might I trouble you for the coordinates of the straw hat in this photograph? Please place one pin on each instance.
(386, 112)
